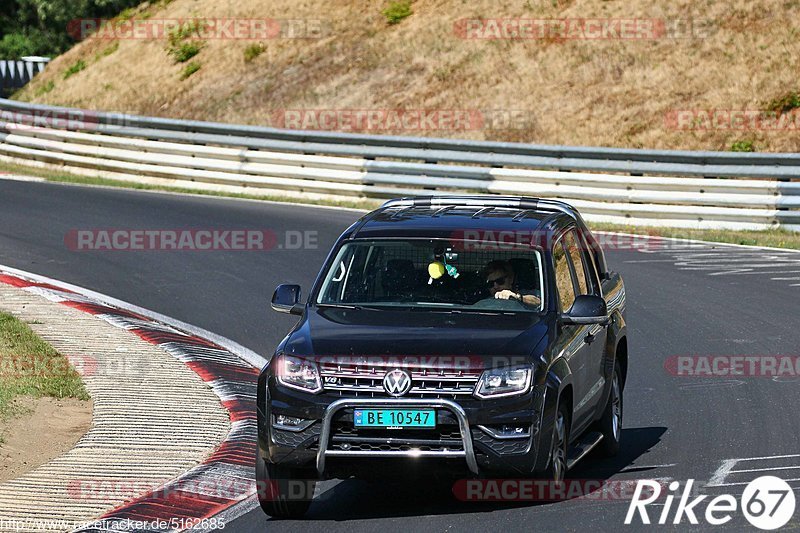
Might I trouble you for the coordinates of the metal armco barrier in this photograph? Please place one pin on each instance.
(726, 190)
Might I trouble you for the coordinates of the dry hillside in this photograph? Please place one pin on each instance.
(722, 55)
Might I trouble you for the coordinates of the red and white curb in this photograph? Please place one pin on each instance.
(222, 486)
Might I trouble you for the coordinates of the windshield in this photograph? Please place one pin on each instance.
(435, 273)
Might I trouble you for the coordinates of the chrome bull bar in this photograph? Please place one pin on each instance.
(468, 453)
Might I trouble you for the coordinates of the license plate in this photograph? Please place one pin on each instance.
(394, 418)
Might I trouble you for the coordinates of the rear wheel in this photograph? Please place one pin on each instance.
(611, 423)
(284, 492)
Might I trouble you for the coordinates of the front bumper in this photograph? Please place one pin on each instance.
(467, 443)
(467, 452)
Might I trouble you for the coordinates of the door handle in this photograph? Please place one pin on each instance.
(589, 338)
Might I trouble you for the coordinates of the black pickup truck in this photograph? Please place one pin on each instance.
(467, 335)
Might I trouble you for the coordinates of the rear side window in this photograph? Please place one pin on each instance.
(566, 289)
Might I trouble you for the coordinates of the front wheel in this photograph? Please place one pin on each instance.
(611, 423)
(557, 469)
(283, 492)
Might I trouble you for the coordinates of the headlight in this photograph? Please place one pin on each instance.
(298, 373)
(504, 382)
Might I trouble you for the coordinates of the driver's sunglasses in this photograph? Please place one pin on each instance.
(496, 281)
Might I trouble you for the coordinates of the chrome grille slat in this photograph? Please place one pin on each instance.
(415, 377)
(360, 388)
(367, 380)
(443, 390)
(449, 443)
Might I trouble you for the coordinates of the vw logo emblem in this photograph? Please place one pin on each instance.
(397, 382)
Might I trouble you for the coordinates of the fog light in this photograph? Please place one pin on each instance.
(290, 423)
(507, 431)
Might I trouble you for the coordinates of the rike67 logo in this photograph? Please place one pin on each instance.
(767, 502)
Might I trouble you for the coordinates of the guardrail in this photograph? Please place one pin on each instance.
(667, 188)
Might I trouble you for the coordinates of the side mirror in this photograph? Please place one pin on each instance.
(286, 299)
(587, 310)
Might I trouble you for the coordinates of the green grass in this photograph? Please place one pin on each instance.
(76, 67)
(184, 31)
(770, 238)
(397, 11)
(31, 367)
(785, 103)
(743, 146)
(775, 238)
(107, 51)
(182, 51)
(45, 88)
(185, 51)
(126, 14)
(190, 69)
(253, 51)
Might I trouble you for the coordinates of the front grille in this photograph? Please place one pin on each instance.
(367, 381)
(394, 447)
(346, 437)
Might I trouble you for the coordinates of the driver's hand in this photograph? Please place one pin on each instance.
(506, 295)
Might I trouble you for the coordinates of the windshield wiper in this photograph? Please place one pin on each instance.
(340, 306)
(356, 307)
(483, 311)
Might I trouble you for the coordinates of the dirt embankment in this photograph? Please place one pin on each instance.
(612, 73)
(46, 428)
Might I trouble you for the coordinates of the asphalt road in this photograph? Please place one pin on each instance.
(690, 300)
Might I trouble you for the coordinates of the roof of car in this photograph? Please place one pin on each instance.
(454, 216)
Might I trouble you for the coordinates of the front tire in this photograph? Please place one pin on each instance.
(283, 492)
(557, 468)
(611, 423)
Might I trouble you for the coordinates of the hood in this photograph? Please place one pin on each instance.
(364, 332)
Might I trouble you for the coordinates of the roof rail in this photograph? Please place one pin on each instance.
(514, 202)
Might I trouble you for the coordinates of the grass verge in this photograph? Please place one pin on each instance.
(31, 367)
(771, 238)
(774, 238)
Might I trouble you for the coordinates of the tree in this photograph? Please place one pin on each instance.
(40, 27)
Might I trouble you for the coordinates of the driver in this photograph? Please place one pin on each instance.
(500, 282)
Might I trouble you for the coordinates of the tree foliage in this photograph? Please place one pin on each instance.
(40, 27)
